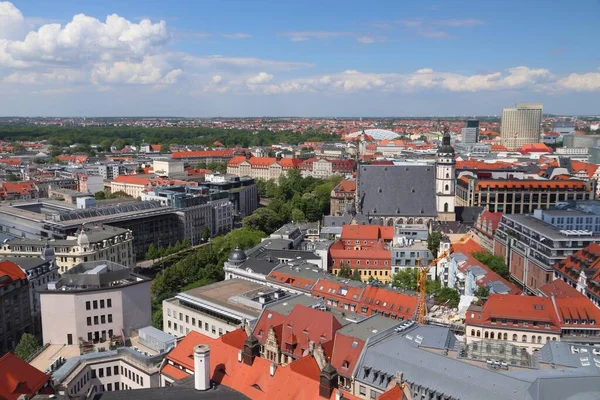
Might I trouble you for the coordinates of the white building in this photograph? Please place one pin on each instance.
(93, 302)
(521, 125)
(218, 308)
(167, 167)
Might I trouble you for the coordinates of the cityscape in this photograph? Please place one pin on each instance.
(179, 225)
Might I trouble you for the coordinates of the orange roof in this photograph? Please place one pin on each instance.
(132, 180)
(559, 288)
(384, 300)
(589, 169)
(586, 260)
(395, 393)
(482, 165)
(264, 162)
(297, 380)
(10, 161)
(346, 353)
(337, 251)
(345, 186)
(524, 184)
(18, 187)
(292, 281)
(202, 154)
(19, 378)
(174, 372)
(496, 148)
(534, 148)
(488, 217)
(73, 159)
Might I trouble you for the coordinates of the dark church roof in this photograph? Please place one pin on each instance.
(397, 190)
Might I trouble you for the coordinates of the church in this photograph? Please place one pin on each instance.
(408, 193)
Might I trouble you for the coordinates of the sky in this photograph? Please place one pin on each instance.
(325, 58)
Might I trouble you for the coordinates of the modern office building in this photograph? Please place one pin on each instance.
(563, 128)
(521, 125)
(219, 308)
(520, 196)
(470, 132)
(15, 308)
(531, 247)
(94, 302)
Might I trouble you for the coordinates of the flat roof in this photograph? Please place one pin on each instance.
(544, 228)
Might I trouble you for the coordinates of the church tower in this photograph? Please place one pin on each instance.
(445, 180)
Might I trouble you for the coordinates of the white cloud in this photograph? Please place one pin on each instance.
(432, 28)
(150, 71)
(587, 82)
(11, 20)
(219, 61)
(367, 39)
(259, 79)
(238, 35)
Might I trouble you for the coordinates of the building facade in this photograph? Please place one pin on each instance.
(445, 180)
(521, 125)
(265, 168)
(15, 308)
(342, 197)
(94, 302)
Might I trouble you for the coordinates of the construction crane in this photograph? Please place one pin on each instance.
(422, 272)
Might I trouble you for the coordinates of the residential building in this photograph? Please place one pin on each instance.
(110, 171)
(581, 271)
(520, 196)
(15, 308)
(485, 227)
(531, 247)
(93, 302)
(124, 368)
(205, 156)
(216, 309)
(90, 243)
(521, 125)
(39, 271)
(19, 380)
(470, 132)
(323, 168)
(342, 197)
(19, 190)
(408, 252)
(532, 321)
(265, 168)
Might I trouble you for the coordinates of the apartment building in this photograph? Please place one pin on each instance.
(216, 309)
(516, 196)
(530, 321)
(94, 242)
(15, 308)
(93, 302)
(582, 272)
(322, 168)
(123, 368)
(531, 247)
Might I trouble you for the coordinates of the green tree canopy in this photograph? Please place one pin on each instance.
(27, 347)
(494, 262)
(263, 219)
(433, 242)
(482, 292)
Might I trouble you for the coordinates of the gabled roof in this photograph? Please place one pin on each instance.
(559, 288)
(19, 378)
(367, 232)
(203, 154)
(384, 300)
(345, 186)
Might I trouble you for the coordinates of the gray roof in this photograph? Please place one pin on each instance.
(397, 190)
(172, 392)
(27, 263)
(498, 287)
(464, 380)
(543, 228)
(368, 327)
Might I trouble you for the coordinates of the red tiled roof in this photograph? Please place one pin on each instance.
(174, 372)
(377, 251)
(10, 161)
(523, 184)
(394, 393)
(19, 378)
(345, 186)
(586, 260)
(293, 281)
(73, 159)
(559, 288)
(346, 353)
(18, 187)
(588, 168)
(132, 180)
(384, 300)
(534, 148)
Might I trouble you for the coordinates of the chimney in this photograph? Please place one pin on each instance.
(338, 395)
(202, 367)
(239, 355)
(272, 369)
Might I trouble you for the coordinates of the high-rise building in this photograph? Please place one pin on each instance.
(521, 125)
(470, 132)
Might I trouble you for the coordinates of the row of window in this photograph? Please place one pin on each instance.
(213, 330)
(94, 304)
(367, 262)
(504, 336)
(99, 319)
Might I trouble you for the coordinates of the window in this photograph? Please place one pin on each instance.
(101, 303)
(109, 303)
(116, 370)
(180, 316)
(101, 373)
(524, 339)
(109, 387)
(89, 321)
(87, 305)
(103, 319)
(169, 324)
(187, 319)
(109, 318)
(362, 390)
(117, 386)
(95, 304)
(141, 380)
(374, 394)
(93, 374)
(90, 338)
(96, 320)
(108, 371)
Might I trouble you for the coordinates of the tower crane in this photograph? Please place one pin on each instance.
(422, 272)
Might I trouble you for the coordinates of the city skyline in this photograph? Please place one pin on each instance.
(238, 59)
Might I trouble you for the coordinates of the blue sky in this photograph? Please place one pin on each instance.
(309, 58)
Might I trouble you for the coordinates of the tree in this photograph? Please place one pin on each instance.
(17, 148)
(139, 170)
(482, 292)
(100, 195)
(263, 219)
(494, 262)
(205, 234)
(345, 272)
(152, 252)
(447, 296)
(118, 144)
(433, 242)
(164, 148)
(356, 275)
(12, 177)
(297, 215)
(27, 347)
(157, 319)
(405, 279)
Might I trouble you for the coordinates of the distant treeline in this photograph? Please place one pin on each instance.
(66, 136)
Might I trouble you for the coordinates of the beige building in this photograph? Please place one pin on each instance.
(218, 308)
(521, 125)
(98, 242)
(94, 302)
(265, 168)
(166, 167)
